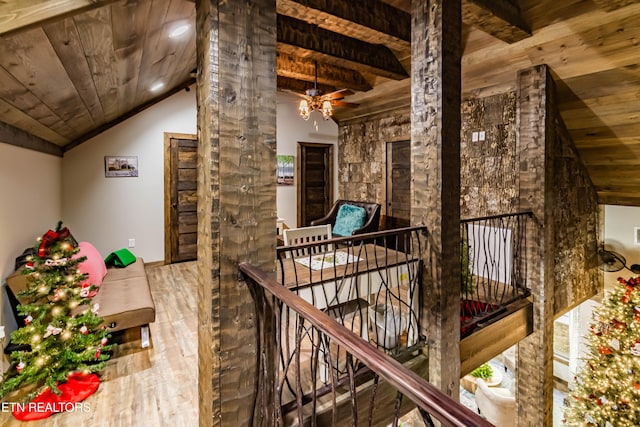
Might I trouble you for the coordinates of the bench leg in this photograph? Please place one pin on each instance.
(144, 335)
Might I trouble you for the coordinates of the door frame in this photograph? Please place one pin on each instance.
(167, 189)
(301, 154)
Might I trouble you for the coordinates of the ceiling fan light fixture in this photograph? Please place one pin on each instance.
(304, 110)
(327, 110)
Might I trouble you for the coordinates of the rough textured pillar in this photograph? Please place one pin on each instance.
(435, 167)
(535, 353)
(236, 48)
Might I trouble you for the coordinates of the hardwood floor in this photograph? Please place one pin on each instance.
(148, 387)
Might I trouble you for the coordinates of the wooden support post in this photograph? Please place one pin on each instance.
(435, 167)
(236, 83)
(535, 353)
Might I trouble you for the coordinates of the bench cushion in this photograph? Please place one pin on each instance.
(124, 298)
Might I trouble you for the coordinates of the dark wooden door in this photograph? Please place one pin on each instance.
(183, 197)
(398, 184)
(315, 185)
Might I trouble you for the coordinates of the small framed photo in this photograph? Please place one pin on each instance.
(120, 166)
(285, 168)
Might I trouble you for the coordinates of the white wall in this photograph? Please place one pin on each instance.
(291, 129)
(30, 194)
(109, 211)
(619, 222)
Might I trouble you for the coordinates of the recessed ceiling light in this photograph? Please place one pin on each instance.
(179, 30)
(156, 86)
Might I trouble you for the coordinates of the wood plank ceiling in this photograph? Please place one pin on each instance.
(69, 69)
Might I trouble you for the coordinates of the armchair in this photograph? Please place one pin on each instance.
(371, 223)
(498, 405)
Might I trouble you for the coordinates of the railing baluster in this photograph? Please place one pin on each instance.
(493, 265)
(376, 294)
(349, 361)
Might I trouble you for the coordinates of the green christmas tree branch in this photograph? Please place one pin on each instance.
(62, 331)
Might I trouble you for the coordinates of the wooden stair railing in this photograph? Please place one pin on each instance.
(424, 395)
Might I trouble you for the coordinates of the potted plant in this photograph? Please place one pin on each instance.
(483, 371)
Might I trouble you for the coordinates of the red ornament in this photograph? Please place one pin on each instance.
(104, 341)
(604, 350)
(28, 320)
(20, 367)
(98, 353)
(84, 330)
(619, 325)
(636, 386)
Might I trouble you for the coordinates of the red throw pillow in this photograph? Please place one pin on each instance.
(93, 266)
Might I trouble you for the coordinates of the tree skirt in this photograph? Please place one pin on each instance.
(78, 387)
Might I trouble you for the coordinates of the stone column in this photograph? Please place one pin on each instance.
(535, 353)
(435, 167)
(236, 84)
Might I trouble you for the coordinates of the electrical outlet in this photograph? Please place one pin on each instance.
(474, 137)
(481, 135)
(132, 243)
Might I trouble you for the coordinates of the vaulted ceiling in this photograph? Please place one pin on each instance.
(69, 69)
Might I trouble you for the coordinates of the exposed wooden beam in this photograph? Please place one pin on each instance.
(300, 86)
(298, 38)
(368, 20)
(14, 136)
(611, 5)
(500, 18)
(619, 198)
(515, 324)
(20, 15)
(304, 69)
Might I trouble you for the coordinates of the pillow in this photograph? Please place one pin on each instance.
(93, 266)
(120, 258)
(349, 219)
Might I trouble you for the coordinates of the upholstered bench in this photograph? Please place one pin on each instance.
(124, 298)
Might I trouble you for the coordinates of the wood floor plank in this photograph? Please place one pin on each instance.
(148, 387)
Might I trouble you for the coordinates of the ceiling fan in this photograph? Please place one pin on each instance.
(315, 100)
(611, 261)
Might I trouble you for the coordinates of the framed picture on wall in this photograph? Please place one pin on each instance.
(285, 168)
(120, 166)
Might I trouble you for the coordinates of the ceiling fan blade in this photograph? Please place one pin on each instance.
(338, 94)
(301, 95)
(338, 103)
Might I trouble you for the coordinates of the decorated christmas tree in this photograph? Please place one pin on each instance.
(607, 389)
(61, 337)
